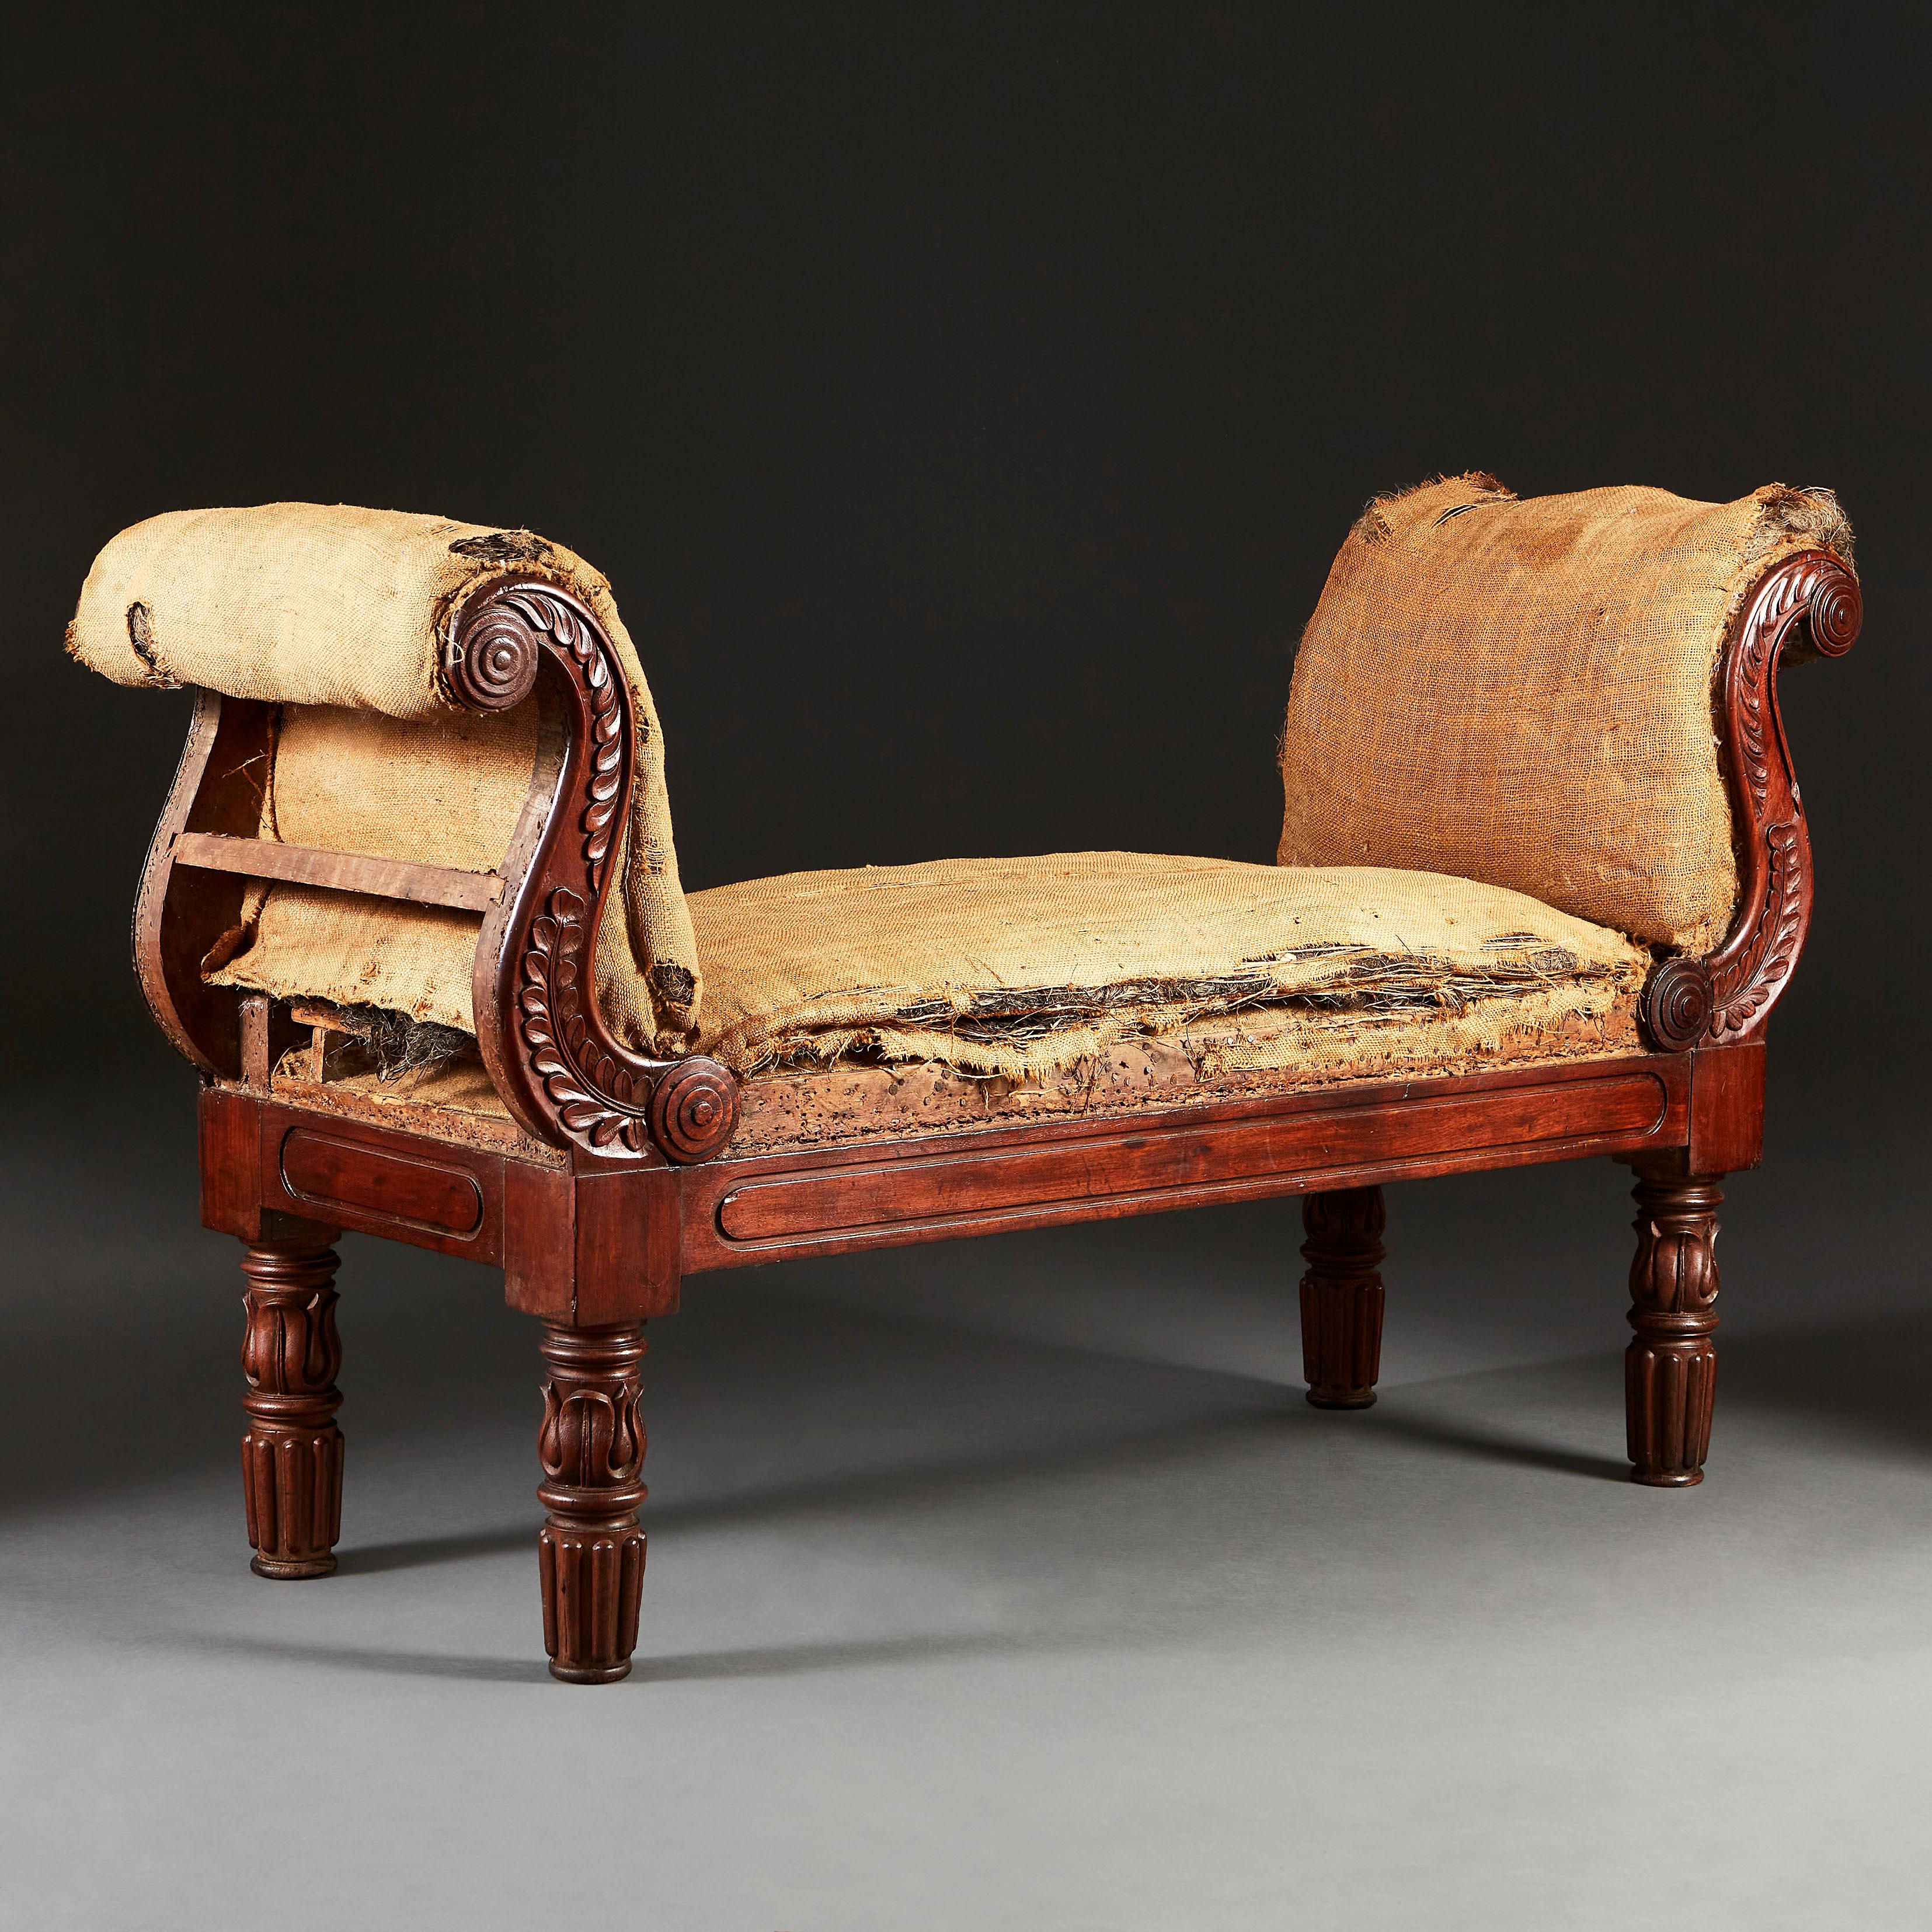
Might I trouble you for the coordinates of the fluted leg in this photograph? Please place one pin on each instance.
(591, 1552)
(1670, 1368)
(1342, 1296)
(292, 1455)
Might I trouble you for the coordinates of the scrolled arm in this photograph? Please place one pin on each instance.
(490, 661)
(556, 1064)
(1807, 605)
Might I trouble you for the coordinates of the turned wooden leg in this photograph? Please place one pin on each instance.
(591, 1552)
(1342, 1296)
(292, 1455)
(1670, 1368)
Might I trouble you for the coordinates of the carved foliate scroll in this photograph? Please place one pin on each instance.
(1809, 604)
(556, 1063)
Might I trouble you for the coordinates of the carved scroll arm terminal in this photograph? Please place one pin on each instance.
(1807, 605)
(546, 1044)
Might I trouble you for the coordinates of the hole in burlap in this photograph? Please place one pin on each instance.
(502, 547)
(392, 1042)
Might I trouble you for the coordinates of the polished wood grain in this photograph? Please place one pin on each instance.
(1151, 1161)
(338, 872)
(594, 1242)
(292, 1454)
(594, 1247)
(1342, 1296)
(600, 1246)
(1727, 1107)
(235, 1198)
(330, 1171)
(231, 1162)
(181, 917)
(376, 1180)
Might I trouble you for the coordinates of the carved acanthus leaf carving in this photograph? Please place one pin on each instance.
(590, 1089)
(1812, 598)
(608, 783)
(591, 1439)
(543, 1038)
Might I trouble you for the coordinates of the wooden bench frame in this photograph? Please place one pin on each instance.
(622, 1181)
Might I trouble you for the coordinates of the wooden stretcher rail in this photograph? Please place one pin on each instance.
(339, 872)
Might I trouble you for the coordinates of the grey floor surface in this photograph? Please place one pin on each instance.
(1010, 1584)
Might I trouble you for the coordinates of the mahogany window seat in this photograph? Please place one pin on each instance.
(413, 911)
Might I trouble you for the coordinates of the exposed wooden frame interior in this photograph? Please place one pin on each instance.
(338, 872)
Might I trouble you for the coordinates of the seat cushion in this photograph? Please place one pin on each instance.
(1035, 969)
(1030, 968)
(915, 999)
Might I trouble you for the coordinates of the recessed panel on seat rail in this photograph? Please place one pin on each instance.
(1043, 1175)
(331, 1171)
(431, 1194)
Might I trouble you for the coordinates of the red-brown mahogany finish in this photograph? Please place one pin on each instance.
(292, 1455)
(563, 1071)
(590, 1553)
(1670, 1369)
(1809, 599)
(1342, 1296)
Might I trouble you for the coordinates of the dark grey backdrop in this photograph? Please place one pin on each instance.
(965, 402)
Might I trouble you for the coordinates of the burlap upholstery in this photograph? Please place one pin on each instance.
(1498, 765)
(1026, 968)
(1520, 692)
(1098, 984)
(785, 1108)
(345, 609)
(302, 942)
(1020, 968)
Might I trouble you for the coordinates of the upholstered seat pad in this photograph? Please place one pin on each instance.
(913, 1000)
(1020, 968)
(1034, 969)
